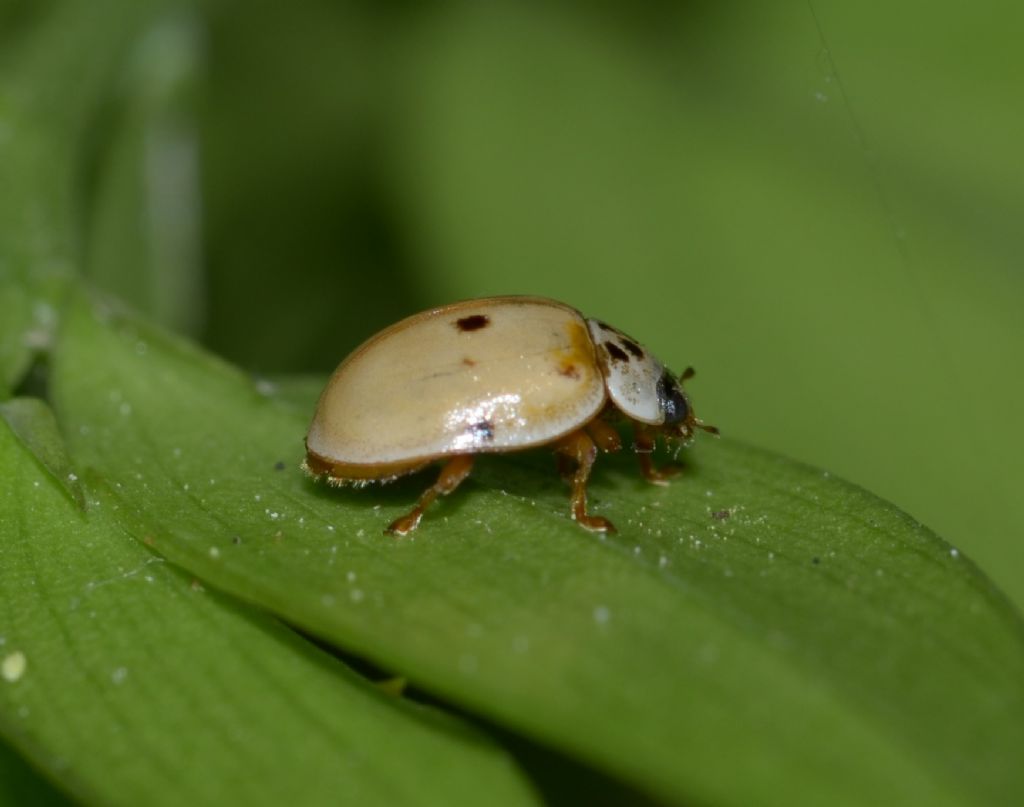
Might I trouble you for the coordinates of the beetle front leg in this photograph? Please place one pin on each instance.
(581, 449)
(644, 443)
(452, 475)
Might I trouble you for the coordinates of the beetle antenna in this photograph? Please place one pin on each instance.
(709, 429)
(687, 374)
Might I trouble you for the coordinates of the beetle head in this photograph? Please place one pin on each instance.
(680, 420)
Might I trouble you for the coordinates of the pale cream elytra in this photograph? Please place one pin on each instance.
(493, 375)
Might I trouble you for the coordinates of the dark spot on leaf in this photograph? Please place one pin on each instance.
(482, 430)
(721, 515)
(474, 322)
(616, 352)
(279, 465)
(633, 348)
(236, 539)
(815, 561)
(469, 362)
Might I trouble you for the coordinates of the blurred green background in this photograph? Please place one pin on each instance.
(817, 205)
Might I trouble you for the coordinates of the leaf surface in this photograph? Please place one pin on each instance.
(757, 632)
(128, 682)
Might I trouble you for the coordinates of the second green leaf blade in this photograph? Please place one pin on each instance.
(758, 633)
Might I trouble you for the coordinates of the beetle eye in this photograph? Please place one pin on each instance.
(673, 402)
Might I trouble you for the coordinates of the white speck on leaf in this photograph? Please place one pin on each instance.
(13, 666)
(94, 584)
(214, 552)
(266, 388)
(118, 675)
(954, 552)
(602, 615)
(356, 595)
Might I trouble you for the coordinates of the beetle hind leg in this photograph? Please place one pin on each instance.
(453, 472)
(580, 448)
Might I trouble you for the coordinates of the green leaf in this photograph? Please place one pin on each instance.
(54, 75)
(128, 682)
(19, 784)
(32, 422)
(759, 632)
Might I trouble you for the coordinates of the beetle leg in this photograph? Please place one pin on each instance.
(581, 449)
(566, 467)
(604, 435)
(644, 443)
(452, 474)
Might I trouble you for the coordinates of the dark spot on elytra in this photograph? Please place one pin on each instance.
(633, 348)
(616, 352)
(482, 430)
(569, 370)
(474, 322)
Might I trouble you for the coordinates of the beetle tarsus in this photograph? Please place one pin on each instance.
(658, 476)
(452, 475)
(581, 449)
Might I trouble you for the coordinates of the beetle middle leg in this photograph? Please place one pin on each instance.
(604, 436)
(452, 474)
(580, 448)
(644, 442)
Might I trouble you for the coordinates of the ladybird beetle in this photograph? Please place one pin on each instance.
(493, 375)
